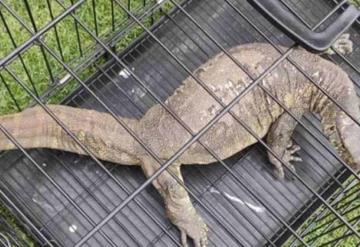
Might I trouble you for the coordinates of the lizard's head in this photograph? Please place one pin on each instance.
(349, 135)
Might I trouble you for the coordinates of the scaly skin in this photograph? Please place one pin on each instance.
(33, 128)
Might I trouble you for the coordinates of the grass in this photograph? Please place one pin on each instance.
(328, 227)
(37, 76)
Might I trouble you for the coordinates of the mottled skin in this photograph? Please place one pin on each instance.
(33, 128)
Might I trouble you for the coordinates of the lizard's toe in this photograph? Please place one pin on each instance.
(293, 171)
(294, 148)
(183, 238)
(296, 159)
(204, 238)
(279, 172)
(194, 227)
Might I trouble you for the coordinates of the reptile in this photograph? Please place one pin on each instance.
(164, 135)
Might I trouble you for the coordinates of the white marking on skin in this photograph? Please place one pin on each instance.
(124, 73)
(316, 74)
(255, 208)
(350, 91)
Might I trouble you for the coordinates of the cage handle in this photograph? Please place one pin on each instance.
(317, 41)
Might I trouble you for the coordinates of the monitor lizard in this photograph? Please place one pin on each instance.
(109, 141)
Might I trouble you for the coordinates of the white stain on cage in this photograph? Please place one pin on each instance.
(44, 164)
(66, 78)
(138, 92)
(255, 208)
(43, 205)
(124, 73)
(72, 228)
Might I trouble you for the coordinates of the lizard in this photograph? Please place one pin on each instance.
(164, 135)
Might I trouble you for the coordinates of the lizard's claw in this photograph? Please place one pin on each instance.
(194, 228)
(288, 157)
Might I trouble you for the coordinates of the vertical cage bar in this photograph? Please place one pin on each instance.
(95, 17)
(8, 31)
(112, 15)
(55, 31)
(28, 9)
(10, 93)
(77, 33)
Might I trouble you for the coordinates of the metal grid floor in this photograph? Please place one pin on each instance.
(235, 217)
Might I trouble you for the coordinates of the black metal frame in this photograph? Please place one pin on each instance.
(106, 47)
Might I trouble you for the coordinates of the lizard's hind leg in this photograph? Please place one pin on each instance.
(279, 140)
(179, 208)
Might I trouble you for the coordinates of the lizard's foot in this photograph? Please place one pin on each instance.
(288, 157)
(197, 230)
(342, 45)
(190, 225)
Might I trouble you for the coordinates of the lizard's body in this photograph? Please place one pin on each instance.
(101, 133)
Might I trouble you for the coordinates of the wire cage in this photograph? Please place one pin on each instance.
(66, 199)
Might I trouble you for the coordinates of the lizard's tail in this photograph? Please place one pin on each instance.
(99, 132)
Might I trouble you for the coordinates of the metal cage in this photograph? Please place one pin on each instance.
(71, 200)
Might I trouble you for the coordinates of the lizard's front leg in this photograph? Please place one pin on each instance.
(279, 140)
(179, 208)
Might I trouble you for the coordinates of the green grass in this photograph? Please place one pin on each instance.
(34, 60)
(355, 2)
(328, 223)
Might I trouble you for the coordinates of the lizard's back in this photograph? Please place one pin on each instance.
(196, 107)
